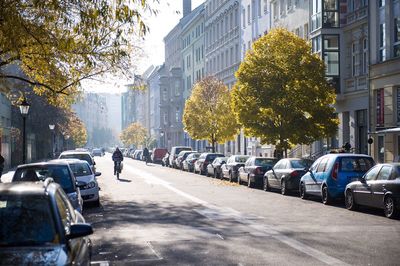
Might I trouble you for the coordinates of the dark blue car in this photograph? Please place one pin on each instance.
(330, 174)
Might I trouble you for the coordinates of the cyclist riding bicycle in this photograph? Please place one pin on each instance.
(117, 157)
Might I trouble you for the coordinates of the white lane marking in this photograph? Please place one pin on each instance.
(213, 211)
(159, 257)
(100, 263)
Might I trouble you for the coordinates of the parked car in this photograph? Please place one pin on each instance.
(174, 153)
(59, 171)
(80, 155)
(200, 166)
(330, 174)
(231, 168)
(165, 160)
(188, 163)
(39, 226)
(97, 152)
(158, 154)
(181, 157)
(254, 169)
(87, 181)
(286, 174)
(378, 188)
(214, 168)
(138, 155)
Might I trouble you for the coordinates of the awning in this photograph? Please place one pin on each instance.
(388, 130)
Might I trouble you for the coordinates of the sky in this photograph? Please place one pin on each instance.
(170, 11)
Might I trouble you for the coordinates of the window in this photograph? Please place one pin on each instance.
(248, 14)
(384, 173)
(282, 7)
(259, 8)
(365, 56)
(177, 87)
(331, 54)
(289, 5)
(371, 175)
(396, 44)
(354, 59)
(305, 32)
(165, 94)
(380, 115)
(322, 165)
(382, 42)
(177, 114)
(275, 9)
(350, 5)
(381, 149)
(331, 14)
(165, 118)
(381, 3)
(265, 6)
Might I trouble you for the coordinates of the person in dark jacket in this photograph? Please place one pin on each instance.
(146, 155)
(1, 165)
(117, 157)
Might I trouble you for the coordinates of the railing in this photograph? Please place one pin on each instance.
(357, 15)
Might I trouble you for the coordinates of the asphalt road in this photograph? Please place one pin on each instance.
(161, 216)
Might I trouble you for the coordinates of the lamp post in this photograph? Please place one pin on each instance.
(24, 109)
(51, 127)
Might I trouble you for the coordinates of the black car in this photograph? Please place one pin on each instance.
(286, 174)
(230, 170)
(59, 171)
(378, 188)
(254, 169)
(205, 158)
(39, 226)
(214, 168)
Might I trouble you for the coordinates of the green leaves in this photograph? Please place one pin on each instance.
(281, 94)
(134, 134)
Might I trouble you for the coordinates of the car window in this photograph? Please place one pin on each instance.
(384, 173)
(264, 162)
(59, 173)
(26, 220)
(278, 165)
(371, 174)
(80, 169)
(80, 156)
(322, 165)
(203, 156)
(396, 172)
(241, 159)
(355, 164)
(314, 166)
(299, 163)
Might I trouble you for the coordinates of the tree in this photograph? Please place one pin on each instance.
(282, 95)
(208, 114)
(134, 134)
(57, 44)
(72, 126)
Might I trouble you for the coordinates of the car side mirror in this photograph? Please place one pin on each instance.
(97, 174)
(306, 169)
(79, 230)
(362, 179)
(94, 163)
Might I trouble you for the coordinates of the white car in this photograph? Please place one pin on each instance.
(80, 155)
(87, 181)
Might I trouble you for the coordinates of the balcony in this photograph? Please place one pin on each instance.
(355, 84)
(356, 15)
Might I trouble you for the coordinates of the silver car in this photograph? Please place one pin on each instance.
(87, 181)
(59, 171)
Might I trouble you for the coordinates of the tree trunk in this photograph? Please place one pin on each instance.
(213, 145)
(285, 152)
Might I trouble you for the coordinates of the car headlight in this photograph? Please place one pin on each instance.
(91, 184)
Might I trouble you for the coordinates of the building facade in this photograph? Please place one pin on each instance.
(384, 79)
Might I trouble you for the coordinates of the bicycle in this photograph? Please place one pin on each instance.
(118, 168)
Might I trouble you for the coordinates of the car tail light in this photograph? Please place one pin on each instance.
(335, 171)
(294, 174)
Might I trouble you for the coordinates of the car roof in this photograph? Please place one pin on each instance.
(58, 162)
(74, 152)
(70, 160)
(346, 155)
(29, 188)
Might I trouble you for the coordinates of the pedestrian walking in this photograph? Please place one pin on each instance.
(146, 155)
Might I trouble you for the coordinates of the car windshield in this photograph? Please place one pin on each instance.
(80, 169)
(178, 150)
(26, 221)
(59, 173)
(301, 163)
(356, 164)
(241, 159)
(79, 156)
(265, 162)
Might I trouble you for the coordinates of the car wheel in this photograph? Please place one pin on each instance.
(249, 183)
(96, 203)
(326, 198)
(349, 200)
(215, 174)
(266, 186)
(390, 207)
(303, 194)
(283, 187)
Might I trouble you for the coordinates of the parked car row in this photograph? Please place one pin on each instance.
(337, 176)
(40, 212)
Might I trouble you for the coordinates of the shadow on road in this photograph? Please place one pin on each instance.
(124, 180)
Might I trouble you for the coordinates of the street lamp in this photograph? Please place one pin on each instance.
(51, 127)
(24, 109)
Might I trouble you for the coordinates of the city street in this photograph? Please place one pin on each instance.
(160, 216)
